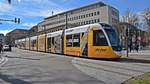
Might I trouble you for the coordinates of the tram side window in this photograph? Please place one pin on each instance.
(52, 40)
(49, 42)
(69, 40)
(33, 43)
(99, 38)
(76, 40)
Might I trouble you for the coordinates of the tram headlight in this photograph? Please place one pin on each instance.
(119, 53)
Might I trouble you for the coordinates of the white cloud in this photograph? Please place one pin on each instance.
(29, 8)
(29, 24)
(30, 11)
(5, 31)
(43, 13)
(4, 7)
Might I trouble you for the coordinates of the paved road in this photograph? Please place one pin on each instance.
(29, 67)
(25, 67)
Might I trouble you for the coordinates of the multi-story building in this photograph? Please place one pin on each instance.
(93, 13)
(14, 35)
(33, 31)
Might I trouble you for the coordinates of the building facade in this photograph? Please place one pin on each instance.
(14, 35)
(93, 13)
(33, 31)
(134, 36)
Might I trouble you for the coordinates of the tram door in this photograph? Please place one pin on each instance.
(84, 44)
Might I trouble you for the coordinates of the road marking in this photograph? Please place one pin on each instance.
(116, 72)
(4, 61)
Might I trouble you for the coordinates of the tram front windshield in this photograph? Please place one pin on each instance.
(113, 37)
(112, 34)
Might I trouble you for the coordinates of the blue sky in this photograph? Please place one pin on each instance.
(33, 11)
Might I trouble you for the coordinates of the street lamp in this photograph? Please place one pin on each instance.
(127, 40)
(66, 20)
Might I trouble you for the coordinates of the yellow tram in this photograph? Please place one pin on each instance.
(97, 40)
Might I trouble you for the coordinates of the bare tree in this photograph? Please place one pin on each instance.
(146, 15)
(130, 17)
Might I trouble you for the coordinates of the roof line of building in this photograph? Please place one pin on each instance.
(103, 4)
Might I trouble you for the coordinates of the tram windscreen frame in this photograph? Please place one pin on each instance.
(112, 34)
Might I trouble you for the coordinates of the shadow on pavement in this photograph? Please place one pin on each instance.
(21, 58)
(12, 80)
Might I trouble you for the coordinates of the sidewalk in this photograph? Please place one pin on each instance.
(141, 52)
(141, 55)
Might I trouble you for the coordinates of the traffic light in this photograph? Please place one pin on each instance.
(9, 1)
(17, 20)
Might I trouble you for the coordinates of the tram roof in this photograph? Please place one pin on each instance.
(80, 28)
(52, 34)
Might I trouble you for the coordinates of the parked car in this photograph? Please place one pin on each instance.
(7, 48)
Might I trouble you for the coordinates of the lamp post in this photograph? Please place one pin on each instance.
(66, 20)
(127, 40)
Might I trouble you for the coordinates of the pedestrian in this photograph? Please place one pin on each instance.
(1, 47)
(130, 46)
(9, 47)
(137, 47)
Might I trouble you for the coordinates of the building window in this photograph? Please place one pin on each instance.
(79, 17)
(91, 14)
(92, 21)
(95, 21)
(83, 16)
(86, 22)
(98, 20)
(74, 18)
(94, 13)
(98, 12)
(86, 15)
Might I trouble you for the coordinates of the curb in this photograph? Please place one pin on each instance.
(136, 60)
